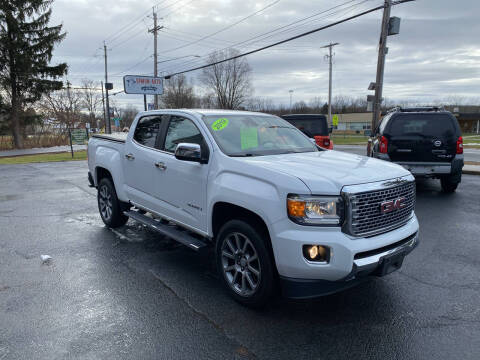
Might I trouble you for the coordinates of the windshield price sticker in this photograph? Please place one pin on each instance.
(220, 124)
(249, 138)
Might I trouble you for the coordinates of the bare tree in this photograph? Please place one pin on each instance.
(62, 107)
(301, 107)
(207, 101)
(260, 104)
(126, 115)
(179, 93)
(230, 80)
(91, 100)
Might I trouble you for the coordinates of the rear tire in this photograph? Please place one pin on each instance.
(244, 264)
(449, 186)
(110, 208)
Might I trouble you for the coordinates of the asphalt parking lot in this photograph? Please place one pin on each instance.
(132, 294)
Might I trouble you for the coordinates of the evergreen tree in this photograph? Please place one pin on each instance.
(26, 46)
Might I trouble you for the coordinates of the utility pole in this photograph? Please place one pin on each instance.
(382, 51)
(329, 56)
(103, 107)
(291, 93)
(155, 50)
(108, 128)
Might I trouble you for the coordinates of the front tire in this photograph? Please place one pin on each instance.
(245, 264)
(109, 206)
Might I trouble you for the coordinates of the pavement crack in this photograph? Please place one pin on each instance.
(467, 286)
(242, 350)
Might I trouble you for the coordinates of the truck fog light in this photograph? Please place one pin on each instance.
(317, 253)
(313, 252)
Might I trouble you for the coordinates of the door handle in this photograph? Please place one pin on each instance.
(160, 165)
(130, 157)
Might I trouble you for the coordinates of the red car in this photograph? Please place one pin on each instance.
(314, 126)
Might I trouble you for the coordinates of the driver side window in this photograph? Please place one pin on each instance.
(182, 130)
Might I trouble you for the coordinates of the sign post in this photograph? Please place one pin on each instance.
(70, 138)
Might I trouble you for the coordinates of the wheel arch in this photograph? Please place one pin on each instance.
(101, 172)
(223, 211)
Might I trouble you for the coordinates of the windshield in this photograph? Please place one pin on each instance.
(311, 126)
(426, 125)
(253, 135)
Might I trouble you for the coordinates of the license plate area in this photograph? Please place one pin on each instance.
(425, 170)
(390, 263)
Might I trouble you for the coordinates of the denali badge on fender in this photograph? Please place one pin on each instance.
(389, 206)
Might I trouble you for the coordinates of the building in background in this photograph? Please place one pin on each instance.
(354, 122)
(469, 122)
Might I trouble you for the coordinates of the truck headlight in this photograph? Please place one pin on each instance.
(315, 210)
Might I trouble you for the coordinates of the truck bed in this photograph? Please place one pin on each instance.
(117, 137)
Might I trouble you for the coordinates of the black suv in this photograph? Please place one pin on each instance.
(426, 141)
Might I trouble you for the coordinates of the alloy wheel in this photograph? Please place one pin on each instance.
(105, 201)
(241, 265)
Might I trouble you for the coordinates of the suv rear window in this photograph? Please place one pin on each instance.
(429, 125)
(310, 125)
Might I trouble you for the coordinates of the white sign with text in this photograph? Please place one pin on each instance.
(145, 85)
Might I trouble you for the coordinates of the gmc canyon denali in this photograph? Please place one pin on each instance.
(275, 208)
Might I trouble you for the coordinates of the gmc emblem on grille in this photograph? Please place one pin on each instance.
(389, 206)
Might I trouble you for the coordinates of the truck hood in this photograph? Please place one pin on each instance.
(326, 172)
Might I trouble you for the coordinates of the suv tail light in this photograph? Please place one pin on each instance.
(326, 142)
(383, 145)
(460, 145)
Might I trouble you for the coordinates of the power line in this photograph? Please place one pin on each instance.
(111, 37)
(132, 67)
(147, 46)
(225, 28)
(252, 41)
(130, 26)
(194, 36)
(180, 7)
(284, 41)
(127, 40)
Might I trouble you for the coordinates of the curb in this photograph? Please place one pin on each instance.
(471, 172)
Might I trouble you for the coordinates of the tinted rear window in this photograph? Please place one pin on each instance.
(430, 125)
(311, 126)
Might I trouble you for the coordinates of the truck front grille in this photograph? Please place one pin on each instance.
(365, 215)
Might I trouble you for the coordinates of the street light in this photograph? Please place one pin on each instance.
(180, 57)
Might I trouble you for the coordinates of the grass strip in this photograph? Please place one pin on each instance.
(46, 157)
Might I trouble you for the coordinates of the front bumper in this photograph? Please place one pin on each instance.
(378, 262)
(288, 239)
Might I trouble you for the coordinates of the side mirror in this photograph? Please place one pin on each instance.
(330, 130)
(189, 152)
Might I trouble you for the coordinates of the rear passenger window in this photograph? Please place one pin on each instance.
(147, 130)
(182, 130)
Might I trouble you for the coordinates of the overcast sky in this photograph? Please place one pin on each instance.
(436, 54)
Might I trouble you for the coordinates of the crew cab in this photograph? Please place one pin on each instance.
(315, 126)
(426, 141)
(254, 190)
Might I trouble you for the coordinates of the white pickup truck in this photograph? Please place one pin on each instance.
(273, 207)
